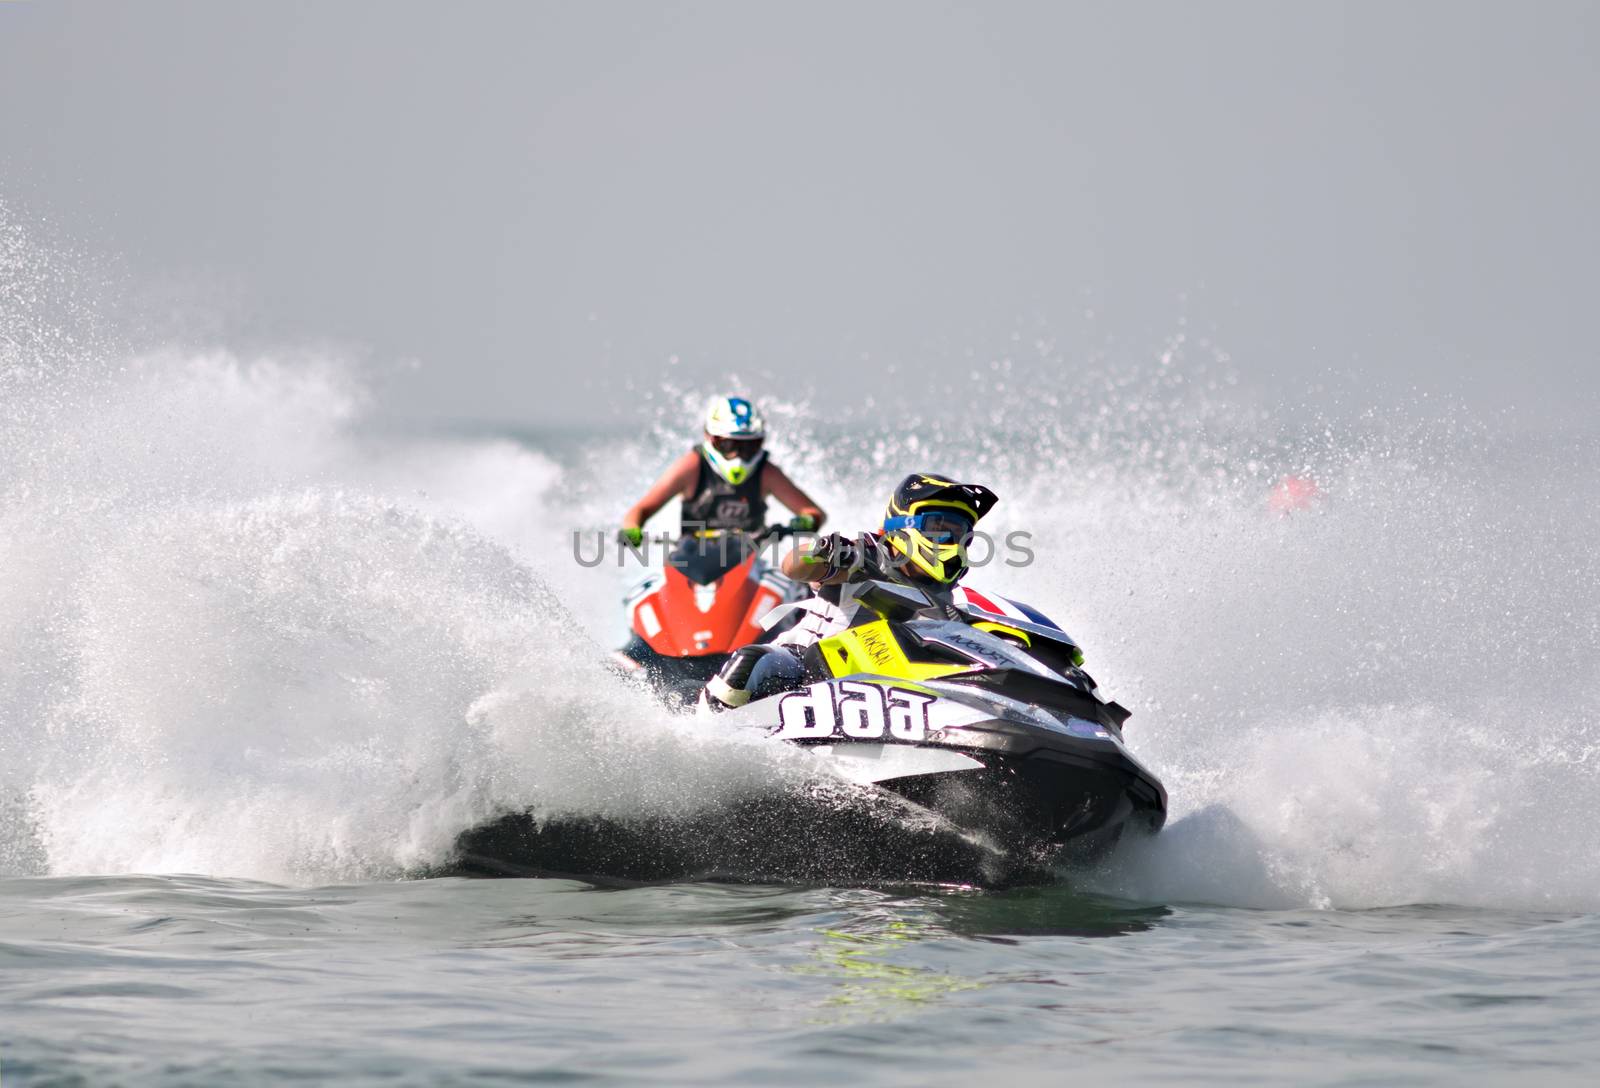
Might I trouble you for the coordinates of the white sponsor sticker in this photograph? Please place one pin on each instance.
(853, 710)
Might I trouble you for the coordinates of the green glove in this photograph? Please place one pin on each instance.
(631, 535)
(802, 523)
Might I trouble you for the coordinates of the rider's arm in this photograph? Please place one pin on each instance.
(778, 486)
(677, 480)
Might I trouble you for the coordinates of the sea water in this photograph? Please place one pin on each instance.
(266, 655)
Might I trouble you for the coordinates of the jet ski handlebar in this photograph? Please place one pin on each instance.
(771, 532)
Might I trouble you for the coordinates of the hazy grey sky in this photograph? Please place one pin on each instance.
(541, 201)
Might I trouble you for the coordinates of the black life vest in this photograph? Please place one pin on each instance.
(717, 504)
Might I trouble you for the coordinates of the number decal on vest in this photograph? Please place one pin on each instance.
(854, 711)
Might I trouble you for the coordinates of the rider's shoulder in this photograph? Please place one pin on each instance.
(690, 463)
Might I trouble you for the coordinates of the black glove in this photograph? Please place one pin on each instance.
(832, 554)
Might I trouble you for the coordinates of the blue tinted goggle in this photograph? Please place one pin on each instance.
(939, 526)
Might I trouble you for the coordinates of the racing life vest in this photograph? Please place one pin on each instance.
(717, 504)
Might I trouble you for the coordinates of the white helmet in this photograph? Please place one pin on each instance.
(734, 417)
(734, 434)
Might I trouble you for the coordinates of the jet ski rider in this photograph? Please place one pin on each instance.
(928, 523)
(725, 481)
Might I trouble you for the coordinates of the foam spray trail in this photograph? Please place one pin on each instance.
(240, 654)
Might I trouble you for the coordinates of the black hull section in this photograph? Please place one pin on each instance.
(1051, 808)
(1060, 788)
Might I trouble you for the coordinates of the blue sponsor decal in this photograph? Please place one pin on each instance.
(1036, 616)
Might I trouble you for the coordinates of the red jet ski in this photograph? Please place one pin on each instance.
(705, 602)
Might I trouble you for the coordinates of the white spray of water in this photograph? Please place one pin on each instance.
(245, 636)
(243, 653)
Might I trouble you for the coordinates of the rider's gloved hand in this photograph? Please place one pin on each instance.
(631, 535)
(830, 555)
(802, 523)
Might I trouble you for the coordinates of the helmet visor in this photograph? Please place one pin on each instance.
(741, 448)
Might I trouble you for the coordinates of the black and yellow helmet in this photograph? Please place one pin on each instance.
(931, 518)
